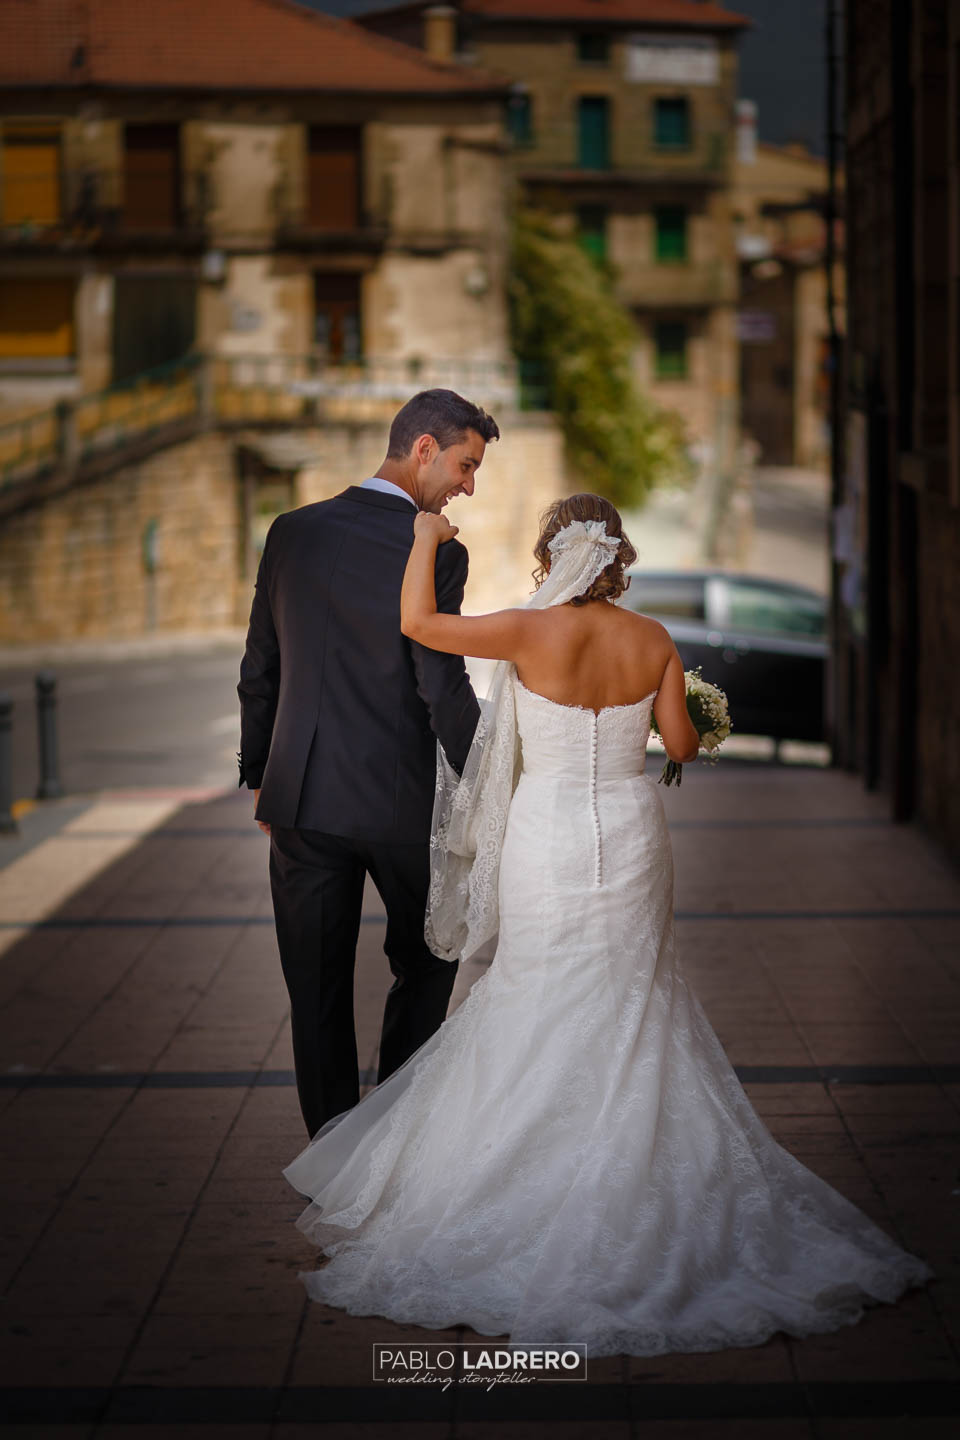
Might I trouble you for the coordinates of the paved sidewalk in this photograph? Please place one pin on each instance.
(147, 1107)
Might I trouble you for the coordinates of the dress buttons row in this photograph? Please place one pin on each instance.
(594, 809)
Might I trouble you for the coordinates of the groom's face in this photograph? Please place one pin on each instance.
(445, 473)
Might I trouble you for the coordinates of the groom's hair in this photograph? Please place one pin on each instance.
(441, 413)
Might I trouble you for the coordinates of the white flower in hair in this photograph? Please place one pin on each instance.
(583, 532)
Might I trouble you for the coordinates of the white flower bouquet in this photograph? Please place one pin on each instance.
(707, 708)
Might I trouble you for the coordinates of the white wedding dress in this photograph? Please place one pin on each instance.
(571, 1156)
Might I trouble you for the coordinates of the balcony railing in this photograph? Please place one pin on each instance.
(48, 450)
(92, 207)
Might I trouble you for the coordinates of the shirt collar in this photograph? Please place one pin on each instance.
(387, 487)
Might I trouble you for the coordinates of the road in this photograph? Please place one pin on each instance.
(165, 721)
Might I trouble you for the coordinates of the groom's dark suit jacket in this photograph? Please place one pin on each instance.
(339, 711)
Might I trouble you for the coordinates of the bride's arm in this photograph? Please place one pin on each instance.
(500, 636)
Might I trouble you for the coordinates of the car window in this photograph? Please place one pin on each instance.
(677, 595)
(781, 612)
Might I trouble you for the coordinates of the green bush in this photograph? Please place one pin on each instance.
(573, 340)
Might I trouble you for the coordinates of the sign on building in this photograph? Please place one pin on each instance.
(673, 59)
(756, 327)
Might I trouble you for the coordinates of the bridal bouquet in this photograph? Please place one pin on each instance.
(707, 708)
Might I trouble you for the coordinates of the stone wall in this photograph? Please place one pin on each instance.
(74, 567)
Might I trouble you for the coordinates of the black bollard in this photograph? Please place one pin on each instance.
(49, 787)
(8, 825)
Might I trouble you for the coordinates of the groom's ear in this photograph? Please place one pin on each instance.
(425, 448)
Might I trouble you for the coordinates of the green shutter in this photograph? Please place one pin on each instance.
(592, 230)
(520, 119)
(670, 338)
(671, 222)
(594, 132)
(671, 123)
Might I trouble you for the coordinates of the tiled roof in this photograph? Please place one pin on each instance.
(697, 14)
(640, 12)
(212, 44)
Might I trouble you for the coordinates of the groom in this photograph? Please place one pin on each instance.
(339, 718)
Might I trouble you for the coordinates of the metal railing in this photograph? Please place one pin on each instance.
(250, 390)
(99, 199)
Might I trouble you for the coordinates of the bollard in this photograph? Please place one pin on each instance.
(8, 825)
(49, 787)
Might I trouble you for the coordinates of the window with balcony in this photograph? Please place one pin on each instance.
(593, 132)
(671, 123)
(31, 173)
(593, 49)
(337, 332)
(670, 346)
(520, 118)
(333, 185)
(36, 321)
(592, 230)
(151, 177)
(671, 235)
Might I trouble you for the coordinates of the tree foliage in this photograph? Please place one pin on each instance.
(571, 332)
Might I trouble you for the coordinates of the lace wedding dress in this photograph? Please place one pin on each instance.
(571, 1156)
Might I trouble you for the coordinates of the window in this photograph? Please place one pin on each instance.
(36, 319)
(31, 173)
(670, 339)
(592, 227)
(779, 612)
(334, 162)
(337, 330)
(671, 123)
(151, 177)
(678, 596)
(671, 223)
(520, 118)
(593, 49)
(593, 132)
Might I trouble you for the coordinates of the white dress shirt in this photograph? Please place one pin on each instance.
(387, 487)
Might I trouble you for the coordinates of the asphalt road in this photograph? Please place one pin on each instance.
(172, 720)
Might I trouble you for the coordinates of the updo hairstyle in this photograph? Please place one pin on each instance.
(611, 582)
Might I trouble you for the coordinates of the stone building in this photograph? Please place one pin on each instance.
(234, 237)
(622, 117)
(241, 177)
(779, 209)
(895, 706)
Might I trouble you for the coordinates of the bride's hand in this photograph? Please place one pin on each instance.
(436, 527)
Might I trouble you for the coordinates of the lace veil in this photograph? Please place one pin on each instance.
(470, 811)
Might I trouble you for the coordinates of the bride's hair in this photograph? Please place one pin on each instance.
(611, 582)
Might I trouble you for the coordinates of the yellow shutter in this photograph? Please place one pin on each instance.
(36, 318)
(31, 173)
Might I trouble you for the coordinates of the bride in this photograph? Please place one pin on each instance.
(571, 1157)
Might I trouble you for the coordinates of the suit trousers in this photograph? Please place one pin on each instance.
(317, 884)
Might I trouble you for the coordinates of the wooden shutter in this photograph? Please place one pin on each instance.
(36, 318)
(334, 177)
(151, 182)
(31, 173)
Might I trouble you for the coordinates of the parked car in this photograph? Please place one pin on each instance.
(762, 641)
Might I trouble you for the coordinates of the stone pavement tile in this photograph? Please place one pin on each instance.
(337, 1349)
(207, 1047)
(226, 1331)
(854, 1042)
(205, 1113)
(271, 1110)
(53, 1114)
(46, 1365)
(903, 1341)
(198, 1365)
(749, 1365)
(23, 955)
(789, 1098)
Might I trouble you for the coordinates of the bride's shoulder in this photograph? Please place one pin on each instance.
(643, 625)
